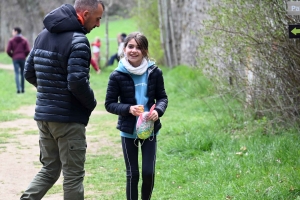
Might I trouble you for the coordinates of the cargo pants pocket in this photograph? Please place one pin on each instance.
(77, 151)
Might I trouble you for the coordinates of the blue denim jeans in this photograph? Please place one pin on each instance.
(112, 59)
(19, 74)
(62, 147)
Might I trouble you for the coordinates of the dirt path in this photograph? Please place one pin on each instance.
(19, 155)
(5, 66)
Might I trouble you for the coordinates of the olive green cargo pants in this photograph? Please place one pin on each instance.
(62, 147)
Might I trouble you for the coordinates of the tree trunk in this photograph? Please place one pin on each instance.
(162, 28)
(5, 33)
(167, 33)
(106, 28)
(34, 14)
(1, 23)
(106, 34)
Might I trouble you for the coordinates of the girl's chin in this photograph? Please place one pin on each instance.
(133, 58)
(134, 62)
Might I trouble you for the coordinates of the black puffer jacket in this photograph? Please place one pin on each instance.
(58, 65)
(120, 96)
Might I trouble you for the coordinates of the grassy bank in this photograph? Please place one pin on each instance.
(203, 153)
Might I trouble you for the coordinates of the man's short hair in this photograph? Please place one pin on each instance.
(18, 30)
(81, 5)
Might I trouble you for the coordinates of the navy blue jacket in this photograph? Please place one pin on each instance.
(58, 65)
(120, 95)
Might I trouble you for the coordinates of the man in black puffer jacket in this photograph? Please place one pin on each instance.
(58, 66)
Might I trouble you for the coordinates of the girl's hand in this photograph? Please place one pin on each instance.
(153, 116)
(136, 110)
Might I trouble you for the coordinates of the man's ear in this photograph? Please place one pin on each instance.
(85, 14)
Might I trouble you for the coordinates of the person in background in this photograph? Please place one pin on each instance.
(58, 66)
(120, 38)
(18, 49)
(137, 81)
(95, 59)
(121, 46)
(96, 50)
(95, 66)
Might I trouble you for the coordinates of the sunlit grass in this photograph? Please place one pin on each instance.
(203, 153)
(4, 58)
(10, 100)
(4, 136)
(115, 27)
(54, 190)
(31, 132)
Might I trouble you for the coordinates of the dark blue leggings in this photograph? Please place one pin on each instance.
(130, 152)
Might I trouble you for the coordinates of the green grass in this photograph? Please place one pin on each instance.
(31, 132)
(10, 100)
(205, 151)
(115, 27)
(55, 189)
(5, 135)
(4, 58)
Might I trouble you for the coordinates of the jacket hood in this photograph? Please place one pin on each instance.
(18, 38)
(63, 19)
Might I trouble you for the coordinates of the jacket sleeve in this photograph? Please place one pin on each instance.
(160, 95)
(9, 49)
(29, 71)
(78, 72)
(113, 93)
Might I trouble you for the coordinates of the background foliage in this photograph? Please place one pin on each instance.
(247, 52)
(28, 15)
(146, 17)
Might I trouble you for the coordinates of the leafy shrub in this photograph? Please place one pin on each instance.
(248, 56)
